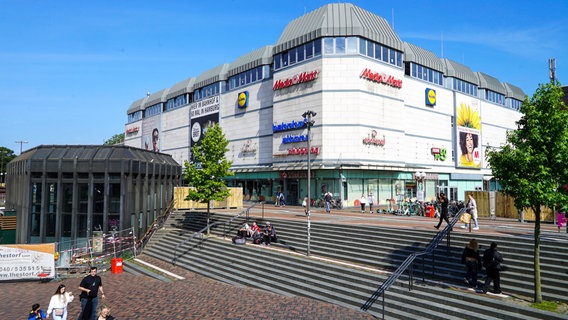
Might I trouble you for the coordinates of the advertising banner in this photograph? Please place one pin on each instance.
(468, 135)
(203, 114)
(151, 134)
(27, 261)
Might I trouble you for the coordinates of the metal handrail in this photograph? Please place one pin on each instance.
(157, 224)
(211, 225)
(408, 264)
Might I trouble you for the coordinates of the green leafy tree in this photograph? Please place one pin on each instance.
(116, 139)
(532, 165)
(209, 166)
(6, 155)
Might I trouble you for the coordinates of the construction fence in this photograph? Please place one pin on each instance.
(77, 256)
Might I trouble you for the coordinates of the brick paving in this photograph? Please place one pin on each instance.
(197, 297)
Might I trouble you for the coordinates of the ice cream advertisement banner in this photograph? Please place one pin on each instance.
(468, 136)
(27, 261)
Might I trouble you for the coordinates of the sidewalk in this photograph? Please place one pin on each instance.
(499, 227)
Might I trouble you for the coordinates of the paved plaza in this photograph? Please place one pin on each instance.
(196, 297)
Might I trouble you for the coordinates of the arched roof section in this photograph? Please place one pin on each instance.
(180, 88)
(258, 57)
(211, 76)
(156, 97)
(136, 105)
(514, 92)
(337, 19)
(488, 82)
(459, 71)
(422, 57)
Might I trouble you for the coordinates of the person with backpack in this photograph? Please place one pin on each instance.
(492, 261)
(328, 197)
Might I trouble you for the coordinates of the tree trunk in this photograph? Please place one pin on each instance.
(537, 286)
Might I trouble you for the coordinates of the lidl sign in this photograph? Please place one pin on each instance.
(430, 97)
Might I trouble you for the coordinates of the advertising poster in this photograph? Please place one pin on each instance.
(151, 134)
(203, 114)
(27, 261)
(468, 136)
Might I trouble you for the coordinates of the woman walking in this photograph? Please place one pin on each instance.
(58, 303)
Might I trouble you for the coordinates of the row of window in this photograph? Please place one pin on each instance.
(207, 91)
(424, 73)
(464, 87)
(153, 110)
(176, 102)
(380, 52)
(494, 97)
(247, 77)
(303, 52)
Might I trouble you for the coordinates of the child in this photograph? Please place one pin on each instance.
(36, 313)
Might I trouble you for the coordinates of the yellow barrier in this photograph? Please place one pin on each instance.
(235, 200)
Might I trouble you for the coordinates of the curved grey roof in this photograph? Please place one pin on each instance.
(514, 92)
(488, 82)
(422, 57)
(94, 152)
(459, 71)
(156, 97)
(136, 105)
(210, 76)
(258, 57)
(180, 88)
(337, 19)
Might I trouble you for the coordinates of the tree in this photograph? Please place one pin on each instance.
(116, 139)
(6, 155)
(209, 166)
(531, 166)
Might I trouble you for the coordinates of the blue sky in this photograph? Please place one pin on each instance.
(69, 70)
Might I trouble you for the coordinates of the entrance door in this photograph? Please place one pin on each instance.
(292, 195)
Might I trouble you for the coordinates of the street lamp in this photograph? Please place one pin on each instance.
(309, 123)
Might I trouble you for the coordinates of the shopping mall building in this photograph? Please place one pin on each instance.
(391, 118)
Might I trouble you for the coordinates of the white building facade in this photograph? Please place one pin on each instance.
(391, 119)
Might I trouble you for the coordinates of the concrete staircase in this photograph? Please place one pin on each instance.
(348, 263)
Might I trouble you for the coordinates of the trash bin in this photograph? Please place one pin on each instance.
(116, 265)
(430, 211)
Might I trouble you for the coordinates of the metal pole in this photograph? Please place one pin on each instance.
(308, 204)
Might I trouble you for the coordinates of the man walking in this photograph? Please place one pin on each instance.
(89, 287)
(444, 214)
(492, 260)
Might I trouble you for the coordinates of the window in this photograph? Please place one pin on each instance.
(339, 45)
(351, 45)
(328, 45)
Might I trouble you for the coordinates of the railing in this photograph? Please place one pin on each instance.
(211, 225)
(409, 262)
(158, 223)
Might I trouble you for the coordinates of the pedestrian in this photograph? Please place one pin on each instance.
(371, 202)
(36, 313)
(444, 214)
(328, 197)
(104, 314)
(472, 260)
(363, 202)
(269, 234)
(471, 208)
(58, 303)
(492, 261)
(90, 286)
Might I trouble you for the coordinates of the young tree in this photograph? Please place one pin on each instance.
(209, 166)
(116, 139)
(6, 155)
(531, 166)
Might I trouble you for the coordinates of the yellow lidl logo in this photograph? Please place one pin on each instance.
(243, 99)
(430, 97)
